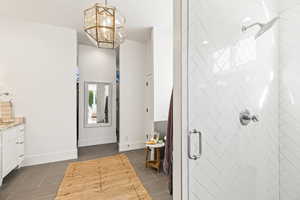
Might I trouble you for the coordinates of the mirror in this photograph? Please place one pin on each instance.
(98, 97)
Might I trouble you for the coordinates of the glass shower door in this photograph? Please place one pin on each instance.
(231, 73)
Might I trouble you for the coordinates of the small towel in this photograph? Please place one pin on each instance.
(168, 159)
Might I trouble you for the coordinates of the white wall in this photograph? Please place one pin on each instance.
(149, 88)
(163, 71)
(162, 35)
(38, 65)
(229, 71)
(289, 100)
(132, 71)
(149, 69)
(97, 65)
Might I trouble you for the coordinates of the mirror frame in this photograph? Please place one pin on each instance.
(85, 87)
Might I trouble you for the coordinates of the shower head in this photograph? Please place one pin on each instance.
(263, 27)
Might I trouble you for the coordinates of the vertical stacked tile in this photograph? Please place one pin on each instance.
(289, 100)
(230, 71)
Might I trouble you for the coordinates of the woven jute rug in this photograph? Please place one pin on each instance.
(109, 178)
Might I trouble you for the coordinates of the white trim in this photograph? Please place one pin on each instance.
(180, 164)
(177, 112)
(50, 157)
(95, 141)
(184, 103)
(132, 146)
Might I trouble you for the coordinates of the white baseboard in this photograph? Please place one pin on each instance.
(96, 141)
(50, 157)
(132, 146)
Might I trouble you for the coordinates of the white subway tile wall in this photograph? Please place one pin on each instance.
(230, 71)
(290, 100)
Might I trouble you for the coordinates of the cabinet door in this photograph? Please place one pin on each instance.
(1, 176)
(10, 150)
(20, 145)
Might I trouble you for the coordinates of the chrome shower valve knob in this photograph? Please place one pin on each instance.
(246, 117)
(255, 118)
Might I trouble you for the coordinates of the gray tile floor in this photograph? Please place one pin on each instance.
(42, 181)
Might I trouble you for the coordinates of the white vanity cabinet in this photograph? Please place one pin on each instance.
(12, 149)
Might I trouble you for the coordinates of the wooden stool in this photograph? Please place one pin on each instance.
(156, 163)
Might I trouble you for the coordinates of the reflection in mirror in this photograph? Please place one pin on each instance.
(97, 104)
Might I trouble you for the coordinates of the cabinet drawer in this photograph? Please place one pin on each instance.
(20, 139)
(10, 134)
(20, 152)
(21, 128)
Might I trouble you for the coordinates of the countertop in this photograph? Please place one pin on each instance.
(18, 121)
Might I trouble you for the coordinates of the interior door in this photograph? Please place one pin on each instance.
(149, 99)
(228, 72)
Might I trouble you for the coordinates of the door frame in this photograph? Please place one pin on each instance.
(180, 107)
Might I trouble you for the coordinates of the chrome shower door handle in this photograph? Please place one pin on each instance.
(198, 155)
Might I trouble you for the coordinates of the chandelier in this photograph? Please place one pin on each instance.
(104, 26)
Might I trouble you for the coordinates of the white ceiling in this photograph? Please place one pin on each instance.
(140, 15)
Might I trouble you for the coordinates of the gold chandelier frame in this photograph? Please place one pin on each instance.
(99, 10)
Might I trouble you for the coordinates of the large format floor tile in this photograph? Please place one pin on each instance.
(41, 182)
